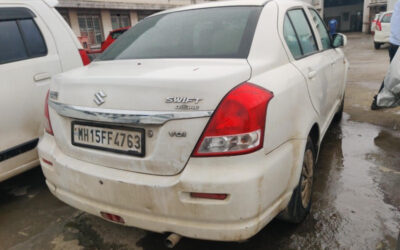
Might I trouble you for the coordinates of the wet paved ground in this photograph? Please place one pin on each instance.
(356, 199)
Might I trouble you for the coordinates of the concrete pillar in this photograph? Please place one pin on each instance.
(134, 17)
(73, 19)
(106, 21)
(366, 17)
(322, 4)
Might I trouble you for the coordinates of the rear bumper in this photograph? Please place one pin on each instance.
(259, 187)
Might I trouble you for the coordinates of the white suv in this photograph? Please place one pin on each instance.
(35, 44)
(204, 121)
(382, 29)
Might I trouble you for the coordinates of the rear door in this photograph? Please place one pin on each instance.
(336, 81)
(28, 58)
(385, 22)
(313, 64)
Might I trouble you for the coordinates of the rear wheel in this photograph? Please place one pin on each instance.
(377, 45)
(300, 202)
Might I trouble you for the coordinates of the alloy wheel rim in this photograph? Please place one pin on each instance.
(307, 173)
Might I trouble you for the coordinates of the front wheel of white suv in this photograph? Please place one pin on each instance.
(300, 202)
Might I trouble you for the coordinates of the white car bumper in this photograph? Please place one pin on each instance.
(259, 187)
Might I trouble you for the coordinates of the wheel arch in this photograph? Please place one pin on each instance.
(314, 134)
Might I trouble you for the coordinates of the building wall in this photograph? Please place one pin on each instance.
(134, 17)
(106, 21)
(73, 18)
(366, 17)
(344, 14)
(127, 4)
(147, 2)
(136, 9)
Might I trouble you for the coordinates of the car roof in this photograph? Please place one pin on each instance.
(229, 3)
(386, 12)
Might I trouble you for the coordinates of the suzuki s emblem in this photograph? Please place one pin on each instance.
(99, 98)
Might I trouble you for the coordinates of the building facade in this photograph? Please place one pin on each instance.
(348, 14)
(92, 20)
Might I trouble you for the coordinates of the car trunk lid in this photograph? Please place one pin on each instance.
(168, 102)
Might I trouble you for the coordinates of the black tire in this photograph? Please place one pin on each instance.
(339, 114)
(377, 45)
(299, 206)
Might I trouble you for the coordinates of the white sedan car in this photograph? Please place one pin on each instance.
(382, 29)
(203, 121)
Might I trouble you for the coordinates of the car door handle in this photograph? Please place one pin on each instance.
(41, 76)
(312, 74)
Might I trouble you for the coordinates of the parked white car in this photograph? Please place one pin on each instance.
(203, 121)
(382, 29)
(35, 44)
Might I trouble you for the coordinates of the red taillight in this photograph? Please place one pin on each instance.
(237, 126)
(47, 125)
(84, 56)
(209, 196)
(378, 26)
(112, 217)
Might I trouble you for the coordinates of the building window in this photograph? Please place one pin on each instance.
(64, 13)
(120, 20)
(346, 16)
(90, 27)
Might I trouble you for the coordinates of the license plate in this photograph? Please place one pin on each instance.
(122, 140)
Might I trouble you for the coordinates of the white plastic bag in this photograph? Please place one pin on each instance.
(390, 94)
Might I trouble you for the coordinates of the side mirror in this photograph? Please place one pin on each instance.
(339, 40)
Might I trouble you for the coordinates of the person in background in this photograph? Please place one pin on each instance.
(394, 44)
(332, 26)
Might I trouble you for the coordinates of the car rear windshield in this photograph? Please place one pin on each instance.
(386, 18)
(116, 34)
(222, 32)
